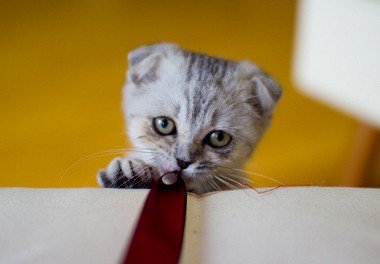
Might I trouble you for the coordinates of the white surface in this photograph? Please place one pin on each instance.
(337, 54)
(288, 225)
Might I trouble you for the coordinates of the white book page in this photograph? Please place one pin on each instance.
(86, 225)
(288, 225)
(291, 225)
(191, 244)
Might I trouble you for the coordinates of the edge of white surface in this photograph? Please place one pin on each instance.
(83, 225)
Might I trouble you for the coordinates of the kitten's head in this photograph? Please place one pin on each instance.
(195, 113)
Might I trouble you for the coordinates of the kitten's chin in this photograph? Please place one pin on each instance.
(192, 182)
(186, 178)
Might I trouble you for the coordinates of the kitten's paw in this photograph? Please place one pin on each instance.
(126, 173)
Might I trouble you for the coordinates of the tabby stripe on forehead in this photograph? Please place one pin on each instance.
(200, 65)
(189, 74)
(177, 110)
(195, 114)
(224, 69)
(185, 53)
(206, 107)
(214, 66)
(207, 67)
(196, 105)
(214, 118)
(187, 100)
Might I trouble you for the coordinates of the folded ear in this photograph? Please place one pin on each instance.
(265, 90)
(144, 62)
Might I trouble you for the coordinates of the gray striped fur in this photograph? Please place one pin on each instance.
(200, 93)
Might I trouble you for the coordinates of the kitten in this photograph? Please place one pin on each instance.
(192, 113)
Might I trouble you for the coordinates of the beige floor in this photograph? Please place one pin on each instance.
(62, 65)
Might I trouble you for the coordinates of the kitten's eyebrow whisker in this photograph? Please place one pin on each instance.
(242, 101)
(227, 97)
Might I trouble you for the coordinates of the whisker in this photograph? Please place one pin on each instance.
(228, 96)
(155, 163)
(256, 174)
(91, 177)
(84, 159)
(204, 185)
(234, 181)
(242, 101)
(244, 187)
(101, 154)
(139, 179)
(214, 184)
(236, 176)
(250, 187)
(225, 183)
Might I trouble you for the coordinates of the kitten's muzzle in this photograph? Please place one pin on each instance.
(183, 164)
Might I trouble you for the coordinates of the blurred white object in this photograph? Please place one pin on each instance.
(337, 55)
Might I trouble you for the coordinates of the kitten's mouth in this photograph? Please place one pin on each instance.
(187, 177)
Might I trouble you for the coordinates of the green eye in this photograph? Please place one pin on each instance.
(164, 125)
(218, 139)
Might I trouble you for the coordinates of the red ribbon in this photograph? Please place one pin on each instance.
(159, 233)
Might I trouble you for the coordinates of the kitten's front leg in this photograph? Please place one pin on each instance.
(127, 173)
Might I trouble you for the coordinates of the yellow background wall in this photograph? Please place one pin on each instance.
(62, 65)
